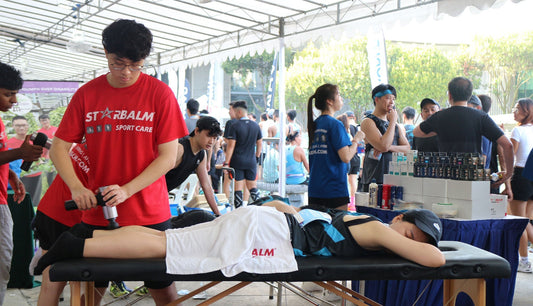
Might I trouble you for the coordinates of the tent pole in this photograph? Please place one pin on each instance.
(282, 112)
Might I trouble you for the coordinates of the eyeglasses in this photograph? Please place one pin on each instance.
(132, 68)
(20, 125)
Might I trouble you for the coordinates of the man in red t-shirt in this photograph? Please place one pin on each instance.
(32, 181)
(10, 83)
(48, 129)
(20, 124)
(131, 123)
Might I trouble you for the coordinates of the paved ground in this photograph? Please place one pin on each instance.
(253, 294)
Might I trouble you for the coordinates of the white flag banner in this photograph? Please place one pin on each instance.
(377, 58)
(272, 84)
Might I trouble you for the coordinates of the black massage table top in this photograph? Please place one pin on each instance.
(463, 261)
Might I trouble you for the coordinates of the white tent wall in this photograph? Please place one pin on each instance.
(188, 33)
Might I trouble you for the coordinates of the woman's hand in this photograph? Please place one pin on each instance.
(359, 136)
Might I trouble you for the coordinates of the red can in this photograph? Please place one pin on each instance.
(386, 196)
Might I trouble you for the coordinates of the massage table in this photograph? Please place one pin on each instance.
(465, 270)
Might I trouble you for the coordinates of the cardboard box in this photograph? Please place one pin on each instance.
(395, 180)
(468, 190)
(445, 210)
(196, 201)
(434, 187)
(498, 205)
(429, 201)
(479, 209)
(409, 197)
(201, 202)
(361, 198)
(412, 185)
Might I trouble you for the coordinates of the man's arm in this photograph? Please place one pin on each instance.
(258, 147)
(179, 156)
(165, 160)
(417, 132)
(508, 157)
(59, 154)
(229, 150)
(205, 182)
(17, 185)
(403, 143)
(380, 142)
(26, 151)
(507, 190)
(209, 156)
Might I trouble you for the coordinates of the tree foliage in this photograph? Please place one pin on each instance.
(499, 66)
(507, 61)
(343, 63)
(419, 72)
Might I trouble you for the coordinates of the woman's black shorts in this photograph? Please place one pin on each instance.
(522, 187)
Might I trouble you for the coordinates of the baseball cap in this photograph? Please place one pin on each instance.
(350, 114)
(474, 100)
(427, 222)
(428, 100)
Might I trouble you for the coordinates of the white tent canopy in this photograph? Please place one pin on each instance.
(40, 36)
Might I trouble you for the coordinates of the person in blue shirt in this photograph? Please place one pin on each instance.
(408, 116)
(296, 160)
(330, 149)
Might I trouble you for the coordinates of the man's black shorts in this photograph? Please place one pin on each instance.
(47, 230)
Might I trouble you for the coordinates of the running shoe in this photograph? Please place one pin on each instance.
(524, 267)
(141, 291)
(118, 289)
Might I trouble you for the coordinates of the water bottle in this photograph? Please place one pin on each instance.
(373, 193)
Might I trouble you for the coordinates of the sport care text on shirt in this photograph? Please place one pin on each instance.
(120, 115)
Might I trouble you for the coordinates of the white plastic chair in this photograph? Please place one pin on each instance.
(175, 196)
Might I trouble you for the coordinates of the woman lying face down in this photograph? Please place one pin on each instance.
(412, 235)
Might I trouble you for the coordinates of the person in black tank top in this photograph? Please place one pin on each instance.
(383, 135)
(355, 235)
(191, 158)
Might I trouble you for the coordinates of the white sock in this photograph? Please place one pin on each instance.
(524, 259)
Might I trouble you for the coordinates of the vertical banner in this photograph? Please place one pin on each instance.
(211, 86)
(377, 58)
(272, 85)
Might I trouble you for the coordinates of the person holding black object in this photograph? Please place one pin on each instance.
(192, 157)
(131, 123)
(10, 84)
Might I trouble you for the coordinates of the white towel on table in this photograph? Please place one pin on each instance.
(251, 239)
